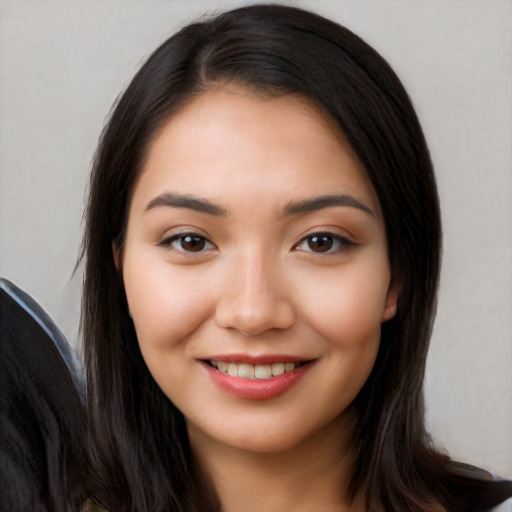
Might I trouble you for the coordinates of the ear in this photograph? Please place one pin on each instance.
(116, 253)
(390, 306)
(118, 262)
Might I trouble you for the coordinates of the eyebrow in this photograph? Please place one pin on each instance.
(191, 202)
(202, 205)
(318, 203)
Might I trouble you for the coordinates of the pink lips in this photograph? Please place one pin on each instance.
(257, 389)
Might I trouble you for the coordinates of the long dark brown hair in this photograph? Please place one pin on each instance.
(141, 449)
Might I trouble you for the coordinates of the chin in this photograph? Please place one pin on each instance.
(264, 443)
(271, 435)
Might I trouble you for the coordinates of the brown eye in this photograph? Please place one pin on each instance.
(188, 243)
(192, 243)
(320, 243)
(324, 243)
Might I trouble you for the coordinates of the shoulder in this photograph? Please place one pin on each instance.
(506, 506)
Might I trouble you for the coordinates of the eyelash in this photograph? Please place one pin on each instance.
(181, 237)
(337, 243)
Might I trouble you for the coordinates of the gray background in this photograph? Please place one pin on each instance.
(62, 64)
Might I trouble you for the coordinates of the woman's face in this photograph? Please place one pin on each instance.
(256, 269)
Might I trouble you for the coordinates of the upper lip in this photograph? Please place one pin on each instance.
(256, 359)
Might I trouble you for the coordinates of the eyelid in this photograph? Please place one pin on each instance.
(168, 242)
(342, 242)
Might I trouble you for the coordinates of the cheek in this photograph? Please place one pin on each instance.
(165, 304)
(347, 307)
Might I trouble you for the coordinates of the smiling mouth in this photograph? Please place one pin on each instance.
(254, 371)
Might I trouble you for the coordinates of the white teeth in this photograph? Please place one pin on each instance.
(222, 366)
(277, 369)
(289, 366)
(262, 371)
(251, 371)
(246, 371)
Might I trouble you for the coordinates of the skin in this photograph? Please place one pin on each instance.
(256, 283)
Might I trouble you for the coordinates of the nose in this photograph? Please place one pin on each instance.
(253, 299)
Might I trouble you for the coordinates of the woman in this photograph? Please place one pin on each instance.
(262, 259)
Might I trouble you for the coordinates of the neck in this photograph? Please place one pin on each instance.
(311, 476)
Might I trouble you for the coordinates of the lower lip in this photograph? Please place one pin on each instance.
(257, 389)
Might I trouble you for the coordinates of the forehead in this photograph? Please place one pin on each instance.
(229, 139)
